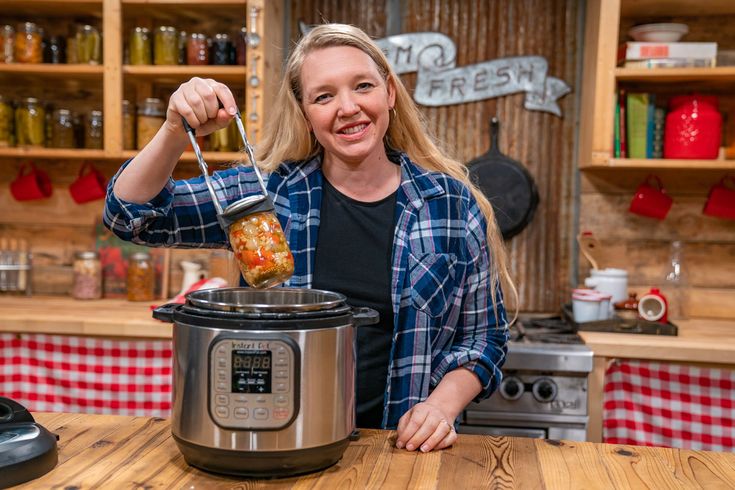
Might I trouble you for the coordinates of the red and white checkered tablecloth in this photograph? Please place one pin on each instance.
(58, 373)
(666, 404)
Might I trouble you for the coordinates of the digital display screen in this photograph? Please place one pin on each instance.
(251, 371)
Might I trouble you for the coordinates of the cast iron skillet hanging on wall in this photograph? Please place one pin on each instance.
(507, 184)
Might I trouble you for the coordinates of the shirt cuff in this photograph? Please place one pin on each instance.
(159, 205)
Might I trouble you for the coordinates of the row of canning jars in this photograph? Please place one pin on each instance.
(31, 123)
(88, 277)
(26, 44)
(168, 46)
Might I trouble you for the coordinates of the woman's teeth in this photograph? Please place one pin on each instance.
(354, 129)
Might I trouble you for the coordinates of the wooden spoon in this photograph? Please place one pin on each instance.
(590, 248)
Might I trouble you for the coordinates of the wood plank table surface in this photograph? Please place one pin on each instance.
(108, 451)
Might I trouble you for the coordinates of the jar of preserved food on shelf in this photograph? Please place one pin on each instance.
(71, 50)
(151, 116)
(87, 276)
(166, 46)
(89, 45)
(222, 139)
(93, 135)
(128, 120)
(222, 50)
(28, 40)
(241, 49)
(62, 129)
(7, 121)
(140, 46)
(181, 48)
(54, 50)
(7, 44)
(30, 123)
(141, 279)
(197, 49)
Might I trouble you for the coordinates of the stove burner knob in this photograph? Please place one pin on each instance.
(511, 388)
(544, 390)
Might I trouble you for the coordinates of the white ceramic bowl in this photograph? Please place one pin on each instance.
(658, 33)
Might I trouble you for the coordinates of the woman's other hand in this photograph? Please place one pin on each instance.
(425, 427)
(198, 101)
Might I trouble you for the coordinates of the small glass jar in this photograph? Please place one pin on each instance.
(62, 129)
(151, 115)
(93, 135)
(222, 50)
(241, 47)
(166, 46)
(181, 48)
(222, 140)
(7, 44)
(30, 123)
(28, 43)
(140, 46)
(87, 276)
(141, 279)
(7, 121)
(197, 49)
(89, 45)
(54, 50)
(128, 120)
(261, 249)
(71, 50)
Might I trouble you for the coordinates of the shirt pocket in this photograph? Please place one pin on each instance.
(432, 281)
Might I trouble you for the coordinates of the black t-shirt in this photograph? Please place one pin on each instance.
(353, 257)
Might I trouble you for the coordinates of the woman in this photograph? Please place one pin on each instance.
(371, 208)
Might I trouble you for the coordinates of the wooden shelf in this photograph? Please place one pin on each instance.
(208, 3)
(50, 8)
(653, 163)
(184, 72)
(55, 153)
(675, 75)
(675, 8)
(53, 70)
(209, 156)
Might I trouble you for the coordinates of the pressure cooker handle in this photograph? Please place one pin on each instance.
(364, 316)
(165, 313)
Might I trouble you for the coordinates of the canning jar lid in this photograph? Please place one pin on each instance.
(87, 255)
(249, 300)
(140, 256)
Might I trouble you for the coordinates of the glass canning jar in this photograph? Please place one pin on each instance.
(7, 116)
(197, 49)
(62, 129)
(7, 44)
(259, 243)
(166, 46)
(241, 46)
(128, 119)
(222, 50)
(140, 277)
(30, 123)
(93, 135)
(54, 50)
(151, 115)
(87, 276)
(181, 48)
(28, 43)
(140, 46)
(222, 139)
(89, 45)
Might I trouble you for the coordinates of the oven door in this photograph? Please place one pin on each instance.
(487, 430)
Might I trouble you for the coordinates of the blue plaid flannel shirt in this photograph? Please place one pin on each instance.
(443, 312)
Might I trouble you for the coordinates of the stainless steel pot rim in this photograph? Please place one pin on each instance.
(248, 300)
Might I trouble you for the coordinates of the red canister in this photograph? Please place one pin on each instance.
(693, 127)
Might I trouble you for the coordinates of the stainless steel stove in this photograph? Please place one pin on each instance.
(544, 390)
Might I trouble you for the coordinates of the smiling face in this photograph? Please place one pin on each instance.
(346, 102)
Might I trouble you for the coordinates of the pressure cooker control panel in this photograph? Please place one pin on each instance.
(253, 383)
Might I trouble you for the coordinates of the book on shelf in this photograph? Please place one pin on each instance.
(616, 128)
(637, 124)
(670, 63)
(622, 98)
(659, 119)
(648, 51)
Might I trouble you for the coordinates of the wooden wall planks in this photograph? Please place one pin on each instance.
(485, 30)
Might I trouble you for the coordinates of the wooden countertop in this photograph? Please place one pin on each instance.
(107, 451)
(699, 340)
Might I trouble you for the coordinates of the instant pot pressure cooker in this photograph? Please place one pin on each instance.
(264, 379)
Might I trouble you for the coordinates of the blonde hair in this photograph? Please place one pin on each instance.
(287, 136)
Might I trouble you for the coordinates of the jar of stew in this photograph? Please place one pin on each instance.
(7, 121)
(128, 120)
(151, 115)
(140, 46)
(166, 46)
(30, 123)
(62, 129)
(141, 279)
(89, 45)
(87, 276)
(93, 135)
(7, 44)
(258, 242)
(28, 43)
(222, 50)
(197, 49)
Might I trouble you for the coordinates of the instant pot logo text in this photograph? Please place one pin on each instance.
(251, 345)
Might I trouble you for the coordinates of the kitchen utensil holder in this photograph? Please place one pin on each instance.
(15, 272)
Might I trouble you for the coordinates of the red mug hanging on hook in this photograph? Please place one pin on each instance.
(90, 184)
(721, 199)
(30, 183)
(650, 199)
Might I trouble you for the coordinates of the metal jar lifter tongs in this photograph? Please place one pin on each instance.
(243, 207)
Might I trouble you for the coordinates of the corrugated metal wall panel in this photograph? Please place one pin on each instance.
(544, 143)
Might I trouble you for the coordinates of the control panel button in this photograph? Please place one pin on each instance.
(281, 361)
(241, 398)
(281, 373)
(260, 399)
(260, 413)
(280, 388)
(222, 399)
(221, 362)
(281, 400)
(280, 413)
(241, 413)
(221, 387)
(221, 375)
(221, 350)
(223, 412)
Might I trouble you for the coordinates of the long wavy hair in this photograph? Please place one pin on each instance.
(286, 136)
